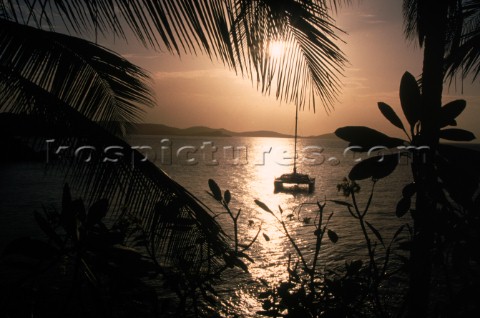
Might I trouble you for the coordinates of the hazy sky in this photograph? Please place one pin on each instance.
(193, 90)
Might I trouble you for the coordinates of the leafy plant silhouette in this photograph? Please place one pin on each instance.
(82, 267)
(314, 291)
(445, 176)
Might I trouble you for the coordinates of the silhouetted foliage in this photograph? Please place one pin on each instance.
(311, 290)
(453, 187)
(81, 267)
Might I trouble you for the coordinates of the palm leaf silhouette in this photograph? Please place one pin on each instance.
(64, 86)
(311, 61)
(464, 57)
(463, 33)
(101, 86)
(235, 32)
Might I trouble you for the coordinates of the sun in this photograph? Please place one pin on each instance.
(276, 49)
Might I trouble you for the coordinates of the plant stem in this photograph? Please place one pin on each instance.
(372, 266)
(317, 247)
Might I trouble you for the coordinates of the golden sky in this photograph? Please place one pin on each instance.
(194, 91)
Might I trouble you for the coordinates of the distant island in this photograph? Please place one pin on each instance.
(159, 129)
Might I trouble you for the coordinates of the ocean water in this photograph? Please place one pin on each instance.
(247, 167)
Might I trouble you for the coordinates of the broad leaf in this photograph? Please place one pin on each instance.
(410, 98)
(266, 237)
(409, 190)
(216, 192)
(377, 167)
(227, 195)
(390, 114)
(263, 206)
(332, 236)
(403, 206)
(450, 111)
(366, 137)
(456, 134)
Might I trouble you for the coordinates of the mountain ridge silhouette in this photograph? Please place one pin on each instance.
(161, 129)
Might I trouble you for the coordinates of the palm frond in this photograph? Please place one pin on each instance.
(310, 63)
(65, 83)
(411, 17)
(180, 227)
(236, 32)
(417, 15)
(464, 57)
(99, 84)
(462, 43)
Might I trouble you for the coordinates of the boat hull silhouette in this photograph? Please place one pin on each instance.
(294, 181)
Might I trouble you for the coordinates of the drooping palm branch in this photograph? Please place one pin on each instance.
(236, 32)
(311, 61)
(462, 45)
(464, 58)
(99, 84)
(63, 84)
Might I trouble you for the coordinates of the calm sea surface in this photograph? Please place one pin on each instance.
(247, 167)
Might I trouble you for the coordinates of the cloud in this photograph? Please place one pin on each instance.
(354, 69)
(140, 56)
(194, 74)
(355, 82)
(372, 19)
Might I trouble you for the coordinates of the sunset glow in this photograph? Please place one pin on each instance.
(195, 90)
(239, 158)
(276, 49)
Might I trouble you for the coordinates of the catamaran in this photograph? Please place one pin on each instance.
(295, 178)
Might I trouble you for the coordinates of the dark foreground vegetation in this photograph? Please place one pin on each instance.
(68, 89)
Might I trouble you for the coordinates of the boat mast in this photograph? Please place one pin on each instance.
(295, 147)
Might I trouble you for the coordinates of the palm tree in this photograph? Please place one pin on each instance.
(77, 92)
(445, 182)
(449, 32)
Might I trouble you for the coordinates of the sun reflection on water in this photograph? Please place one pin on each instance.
(252, 178)
(272, 248)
